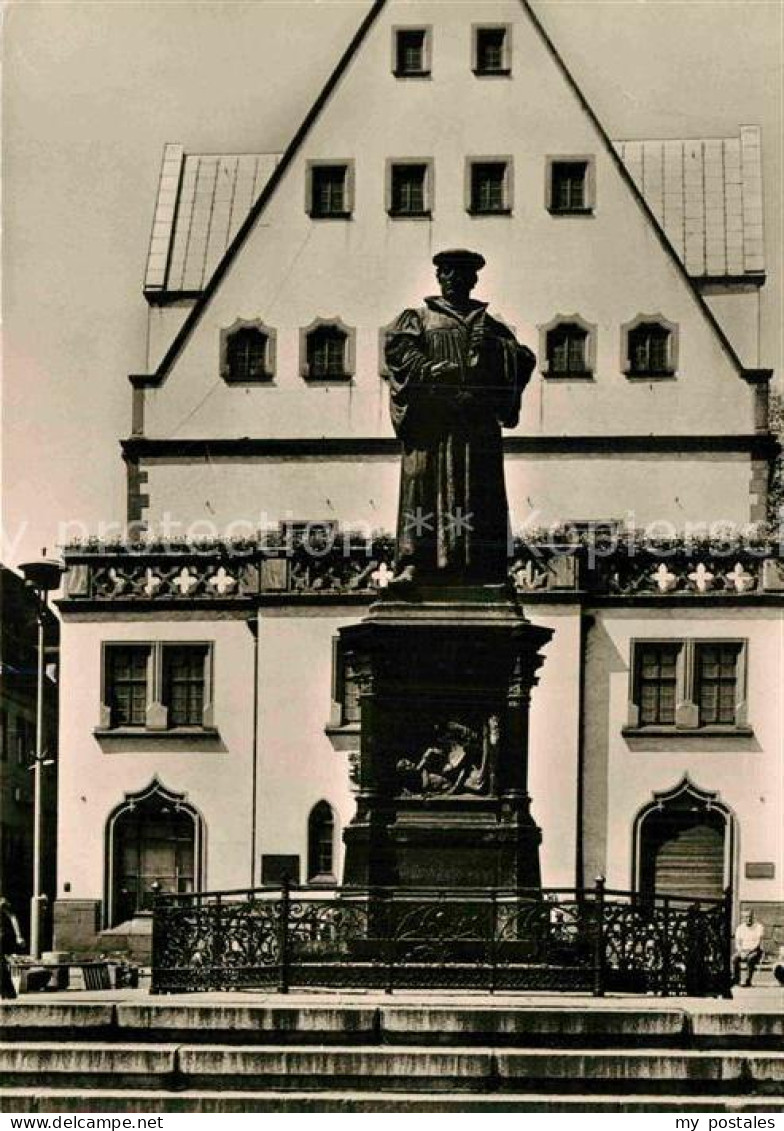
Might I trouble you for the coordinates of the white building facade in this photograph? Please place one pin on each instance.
(208, 726)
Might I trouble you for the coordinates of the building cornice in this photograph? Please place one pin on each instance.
(759, 445)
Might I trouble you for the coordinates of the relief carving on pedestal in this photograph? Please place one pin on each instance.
(459, 760)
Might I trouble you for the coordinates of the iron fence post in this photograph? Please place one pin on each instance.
(217, 944)
(726, 979)
(598, 953)
(155, 956)
(666, 969)
(493, 939)
(284, 908)
(388, 919)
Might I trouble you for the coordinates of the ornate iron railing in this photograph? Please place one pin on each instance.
(593, 940)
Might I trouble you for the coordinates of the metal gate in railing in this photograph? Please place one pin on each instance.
(593, 940)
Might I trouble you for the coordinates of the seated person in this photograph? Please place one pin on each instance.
(748, 948)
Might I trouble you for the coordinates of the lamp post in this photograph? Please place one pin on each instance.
(42, 576)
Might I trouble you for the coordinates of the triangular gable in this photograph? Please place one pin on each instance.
(314, 114)
(269, 189)
(633, 188)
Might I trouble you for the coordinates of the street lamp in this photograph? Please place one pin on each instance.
(42, 577)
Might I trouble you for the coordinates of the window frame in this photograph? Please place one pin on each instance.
(349, 351)
(687, 705)
(589, 184)
(166, 680)
(339, 714)
(505, 70)
(507, 186)
(318, 877)
(427, 51)
(156, 710)
(270, 351)
(428, 187)
(627, 331)
(345, 163)
(590, 331)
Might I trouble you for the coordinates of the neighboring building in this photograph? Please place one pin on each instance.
(209, 726)
(18, 700)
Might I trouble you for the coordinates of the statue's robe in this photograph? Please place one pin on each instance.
(453, 516)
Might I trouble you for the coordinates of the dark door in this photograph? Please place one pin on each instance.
(682, 853)
(153, 845)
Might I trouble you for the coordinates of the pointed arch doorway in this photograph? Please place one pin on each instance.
(154, 841)
(684, 844)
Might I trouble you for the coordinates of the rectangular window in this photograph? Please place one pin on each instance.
(411, 52)
(489, 188)
(717, 683)
(567, 353)
(569, 186)
(183, 684)
(329, 192)
(326, 354)
(346, 699)
(491, 55)
(157, 686)
(408, 190)
(688, 685)
(649, 349)
(351, 703)
(126, 684)
(657, 683)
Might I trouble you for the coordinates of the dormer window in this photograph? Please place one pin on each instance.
(330, 191)
(411, 51)
(327, 351)
(247, 353)
(491, 51)
(650, 347)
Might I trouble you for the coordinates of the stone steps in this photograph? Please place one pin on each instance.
(70, 1064)
(349, 1024)
(186, 1055)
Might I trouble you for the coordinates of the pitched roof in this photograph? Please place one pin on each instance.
(707, 196)
(202, 202)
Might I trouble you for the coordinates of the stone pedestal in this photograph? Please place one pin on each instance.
(445, 680)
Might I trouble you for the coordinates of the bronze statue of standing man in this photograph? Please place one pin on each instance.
(456, 378)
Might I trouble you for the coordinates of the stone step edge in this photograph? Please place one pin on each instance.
(387, 1050)
(382, 1025)
(36, 1100)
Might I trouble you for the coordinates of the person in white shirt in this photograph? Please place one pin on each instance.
(748, 947)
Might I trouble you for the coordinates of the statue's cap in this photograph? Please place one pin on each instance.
(459, 257)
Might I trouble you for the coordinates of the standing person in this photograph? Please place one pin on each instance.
(748, 947)
(456, 379)
(11, 942)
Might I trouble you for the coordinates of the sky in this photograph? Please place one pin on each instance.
(92, 91)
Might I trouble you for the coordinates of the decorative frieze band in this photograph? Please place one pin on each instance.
(350, 566)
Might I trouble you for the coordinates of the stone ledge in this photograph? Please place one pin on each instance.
(42, 1100)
